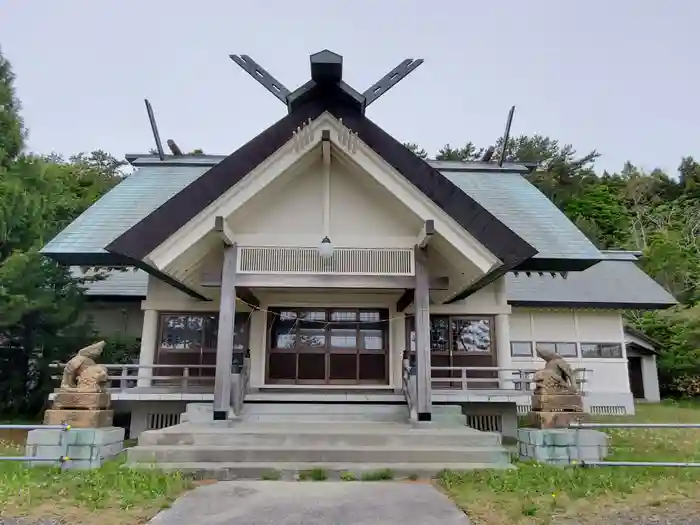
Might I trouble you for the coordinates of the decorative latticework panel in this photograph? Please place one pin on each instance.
(344, 261)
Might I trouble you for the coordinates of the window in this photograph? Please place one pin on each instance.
(602, 350)
(456, 335)
(190, 339)
(561, 349)
(521, 348)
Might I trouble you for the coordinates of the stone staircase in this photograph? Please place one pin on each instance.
(283, 439)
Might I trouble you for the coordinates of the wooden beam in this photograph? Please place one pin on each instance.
(246, 295)
(422, 327)
(209, 279)
(405, 300)
(426, 233)
(222, 229)
(226, 334)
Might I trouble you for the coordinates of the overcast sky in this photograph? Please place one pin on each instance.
(619, 76)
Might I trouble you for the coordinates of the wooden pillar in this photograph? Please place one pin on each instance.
(225, 339)
(422, 305)
(150, 341)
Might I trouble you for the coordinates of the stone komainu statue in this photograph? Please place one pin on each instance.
(557, 377)
(82, 374)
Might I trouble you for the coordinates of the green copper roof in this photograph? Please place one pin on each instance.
(525, 210)
(126, 204)
(504, 192)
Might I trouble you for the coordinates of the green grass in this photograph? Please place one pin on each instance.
(271, 475)
(115, 495)
(534, 493)
(316, 474)
(378, 475)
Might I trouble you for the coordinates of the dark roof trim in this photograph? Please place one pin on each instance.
(602, 305)
(641, 335)
(111, 259)
(640, 349)
(89, 258)
(114, 298)
(542, 264)
(500, 240)
(146, 235)
(478, 285)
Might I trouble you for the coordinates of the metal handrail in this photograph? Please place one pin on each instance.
(62, 459)
(580, 425)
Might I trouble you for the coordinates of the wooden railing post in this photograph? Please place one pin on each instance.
(185, 378)
(123, 381)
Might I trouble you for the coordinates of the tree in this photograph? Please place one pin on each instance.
(40, 302)
(12, 130)
(651, 212)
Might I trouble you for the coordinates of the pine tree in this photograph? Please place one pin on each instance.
(12, 130)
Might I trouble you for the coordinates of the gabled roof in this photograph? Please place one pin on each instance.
(530, 214)
(616, 282)
(84, 240)
(156, 226)
(503, 191)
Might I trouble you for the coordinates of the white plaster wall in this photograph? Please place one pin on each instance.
(650, 376)
(579, 326)
(116, 318)
(289, 212)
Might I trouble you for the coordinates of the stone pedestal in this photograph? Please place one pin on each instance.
(78, 448)
(551, 419)
(80, 410)
(562, 446)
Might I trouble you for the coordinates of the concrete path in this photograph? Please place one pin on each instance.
(313, 503)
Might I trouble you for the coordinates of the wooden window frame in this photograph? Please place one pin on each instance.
(411, 323)
(327, 349)
(200, 349)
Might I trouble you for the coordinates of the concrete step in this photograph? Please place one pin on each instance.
(321, 435)
(315, 454)
(319, 412)
(333, 471)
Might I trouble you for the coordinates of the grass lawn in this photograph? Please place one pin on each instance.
(108, 496)
(536, 494)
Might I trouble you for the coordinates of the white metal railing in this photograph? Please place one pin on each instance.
(514, 379)
(179, 377)
(409, 388)
(344, 261)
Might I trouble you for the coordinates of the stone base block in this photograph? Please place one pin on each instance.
(557, 403)
(77, 448)
(81, 400)
(562, 446)
(79, 418)
(551, 419)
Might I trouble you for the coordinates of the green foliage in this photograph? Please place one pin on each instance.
(40, 304)
(655, 213)
(378, 475)
(554, 493)
(119, 495)
(12, 130)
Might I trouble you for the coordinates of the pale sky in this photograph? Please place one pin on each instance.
(621, 76)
